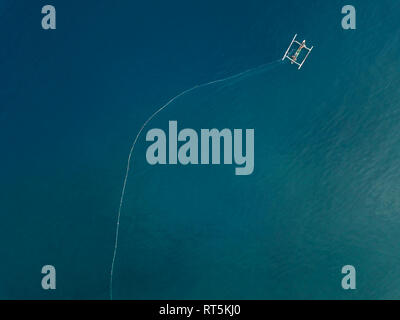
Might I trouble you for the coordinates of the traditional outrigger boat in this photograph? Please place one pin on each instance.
(294, 58)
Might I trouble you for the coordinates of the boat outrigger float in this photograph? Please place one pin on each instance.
(293, 58)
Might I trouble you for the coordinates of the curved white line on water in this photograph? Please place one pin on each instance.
(121, 201)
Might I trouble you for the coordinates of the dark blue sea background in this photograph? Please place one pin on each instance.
(325, 191)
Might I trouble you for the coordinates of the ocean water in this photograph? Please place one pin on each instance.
(324, 192)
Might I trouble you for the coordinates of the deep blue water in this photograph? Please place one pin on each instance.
(325, 190)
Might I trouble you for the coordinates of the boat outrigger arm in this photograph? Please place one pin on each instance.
(293, 58)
